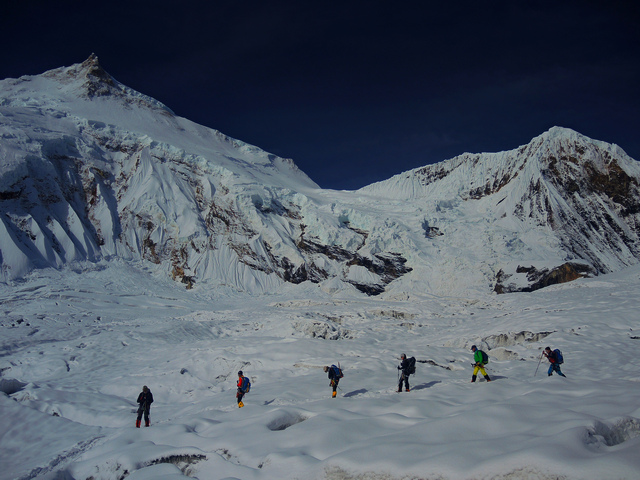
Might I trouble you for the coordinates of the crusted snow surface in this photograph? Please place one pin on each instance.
(76, 347)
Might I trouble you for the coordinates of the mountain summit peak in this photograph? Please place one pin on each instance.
(89, 75)
(90, 80)
(91, 63)
(562, 133)
(98, 81)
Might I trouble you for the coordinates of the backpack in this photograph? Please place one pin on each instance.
(337, 371)
(485, 357)
(559, 356)
(246, 385)
(411, 367)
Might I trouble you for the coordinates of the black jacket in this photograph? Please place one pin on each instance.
(404, 366)
(145, 398)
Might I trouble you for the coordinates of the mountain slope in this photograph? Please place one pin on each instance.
(561, 198)
(92, 170)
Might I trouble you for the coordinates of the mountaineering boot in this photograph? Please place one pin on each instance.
(407, 390)
(147, 423)
(486, 377)
(240, 404)
(473, 378)
(138, 423)
(333, 395)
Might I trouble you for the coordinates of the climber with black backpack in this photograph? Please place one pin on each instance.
(407, 367)
(481, 359)
(555, 359)
(335, 374)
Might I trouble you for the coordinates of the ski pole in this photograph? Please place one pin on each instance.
(538, 364)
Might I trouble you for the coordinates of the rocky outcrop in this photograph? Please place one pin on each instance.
(597, 203)
(540, 278)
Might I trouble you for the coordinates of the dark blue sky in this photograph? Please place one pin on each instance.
(356, 91)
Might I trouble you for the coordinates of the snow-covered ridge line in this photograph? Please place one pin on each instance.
(91, 169)
(472, 175)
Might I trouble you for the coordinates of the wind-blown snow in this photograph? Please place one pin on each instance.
(77, 348)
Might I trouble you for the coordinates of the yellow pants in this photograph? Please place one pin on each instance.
(482, 370)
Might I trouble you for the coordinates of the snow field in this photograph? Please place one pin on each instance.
(80, 347)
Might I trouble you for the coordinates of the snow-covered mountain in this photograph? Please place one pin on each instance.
(91, 169)
(550, 211)
(101, 180)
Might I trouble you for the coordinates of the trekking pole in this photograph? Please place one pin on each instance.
(538, 364)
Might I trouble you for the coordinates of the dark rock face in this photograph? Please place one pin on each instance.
(387, 267)
(600, 204)
(99, 82)
(543, 278)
